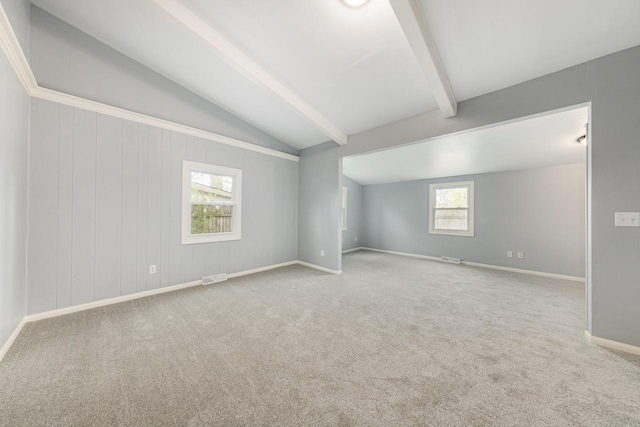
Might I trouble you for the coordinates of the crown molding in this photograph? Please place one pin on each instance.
(11, 47)
(248, 67)
(74, 101)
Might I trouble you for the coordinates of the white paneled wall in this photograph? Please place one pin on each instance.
(105, 203)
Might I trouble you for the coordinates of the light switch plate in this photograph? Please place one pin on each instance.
(627, 219)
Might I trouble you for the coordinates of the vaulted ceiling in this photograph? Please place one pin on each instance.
(316, 70)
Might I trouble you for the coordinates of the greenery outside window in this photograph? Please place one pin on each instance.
(451, 208)
(211, 203)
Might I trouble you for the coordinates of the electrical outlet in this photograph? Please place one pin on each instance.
(321, 252)
(152, 269)
(509, 254)
(627, 219)
(521, 255)
(355, 239)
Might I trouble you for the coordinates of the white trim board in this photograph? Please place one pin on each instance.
(74, 101)
(7, 345)
(352, 250)
(260, 269)
(612, 345)
(248, 67)
(152, 292)
(138, 295)
(110, 301)
(477, 264)
(414, 25)
(15, 55)
(320, 268)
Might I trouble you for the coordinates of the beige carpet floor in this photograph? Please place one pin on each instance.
(394, 341)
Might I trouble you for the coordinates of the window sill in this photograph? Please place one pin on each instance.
(211, 238)
(453, 233)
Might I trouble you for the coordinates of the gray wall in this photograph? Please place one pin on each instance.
(64, 58)
(355, 220)
(540, 212)
(14, 126)
(105, 203)
(319, 207)
(612, 85)
(18, 13)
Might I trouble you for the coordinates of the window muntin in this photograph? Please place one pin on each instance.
(451, 208)
(211, 203)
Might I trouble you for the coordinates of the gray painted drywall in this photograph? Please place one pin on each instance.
(612, 86)
(105, 203)
(540, 212)
(319, 207)
(14, 126)
(18, 13)
(64, 58)
(355, 220)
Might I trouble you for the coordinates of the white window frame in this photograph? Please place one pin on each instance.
(236, 234)
(432, 208)
(345, 208)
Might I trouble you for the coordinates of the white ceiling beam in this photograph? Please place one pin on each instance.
(249, 68)
(414, 24)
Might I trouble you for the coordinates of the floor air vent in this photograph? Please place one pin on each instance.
(209, 280)
(450, 259)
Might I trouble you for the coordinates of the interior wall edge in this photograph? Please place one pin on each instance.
(612, 345)
(12, 49)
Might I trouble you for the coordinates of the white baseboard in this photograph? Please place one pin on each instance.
(258, 270)
(613, 345)
(317, 267)
(352, 250)
(12, 338)
(104, 302)
(477, 264)
(123, 298)
(407, 254)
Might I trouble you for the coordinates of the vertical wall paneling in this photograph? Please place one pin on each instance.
(43, 208)
(108, 206)
(177, 250)
(65, 206)
(165, 239)
(213, 252)
(106, 203)
(142, 269)
(198, 252)
(189, 250)
(154, 205)
(84, 206)
(129, 214)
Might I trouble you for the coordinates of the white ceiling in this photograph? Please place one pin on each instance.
(353, 66)
(535, 142)
(492, 44)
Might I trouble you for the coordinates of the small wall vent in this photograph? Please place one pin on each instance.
(450, 259)
(209, 280)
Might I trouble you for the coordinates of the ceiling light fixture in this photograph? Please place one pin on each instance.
(582, 140)
(354, 3)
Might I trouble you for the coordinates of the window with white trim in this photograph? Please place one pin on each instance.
(211, 203)
(451, 208)
(345, 201)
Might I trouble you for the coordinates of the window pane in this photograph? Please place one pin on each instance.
(206, 187)
(452, 197)
(451, 219)
(208, 219)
